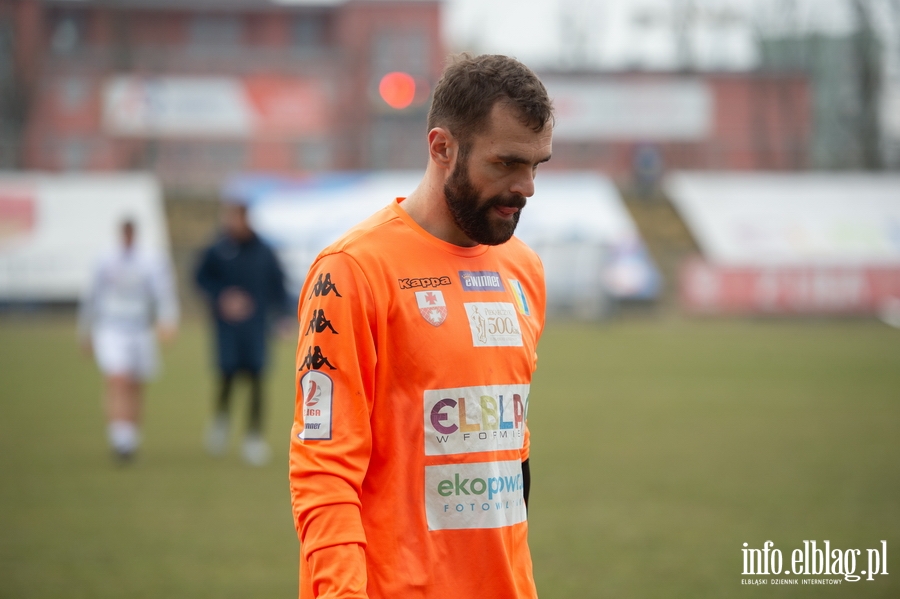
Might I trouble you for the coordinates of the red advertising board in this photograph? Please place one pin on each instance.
(711, 289)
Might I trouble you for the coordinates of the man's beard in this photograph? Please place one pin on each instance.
(474, 219)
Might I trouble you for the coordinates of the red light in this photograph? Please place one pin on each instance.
(397, 89)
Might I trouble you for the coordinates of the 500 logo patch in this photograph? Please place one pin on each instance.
(494, 324)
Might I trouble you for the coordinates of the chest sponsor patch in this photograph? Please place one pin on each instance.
(481, 280)
(480, 495)
(493, 324)
(432, 307)
(318, 393)
(470, 419)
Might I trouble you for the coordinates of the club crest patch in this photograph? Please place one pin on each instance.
(432, 307)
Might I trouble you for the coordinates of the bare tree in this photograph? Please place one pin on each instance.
(684, 20)
(867, 53)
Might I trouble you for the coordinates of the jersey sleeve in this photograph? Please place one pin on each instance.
(331, 438)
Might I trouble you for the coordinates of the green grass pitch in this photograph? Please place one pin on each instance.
(658, 449)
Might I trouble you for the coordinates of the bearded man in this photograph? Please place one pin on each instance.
(418, 334)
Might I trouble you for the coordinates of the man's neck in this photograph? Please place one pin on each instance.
(428, 207)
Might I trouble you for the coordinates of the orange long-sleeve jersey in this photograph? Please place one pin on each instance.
(414, 363)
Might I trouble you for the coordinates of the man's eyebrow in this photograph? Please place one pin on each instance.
(516, 159)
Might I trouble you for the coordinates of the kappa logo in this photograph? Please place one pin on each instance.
(324, 286)
(481, 280)
(315, 360)
(319, 324)
(424, 282)
(432, 307)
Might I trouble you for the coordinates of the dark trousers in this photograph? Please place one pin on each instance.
(223, 401)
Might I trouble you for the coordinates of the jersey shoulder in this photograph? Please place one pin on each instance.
(369, 237)
(520, 252)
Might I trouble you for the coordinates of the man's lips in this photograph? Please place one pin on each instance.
(506, 211)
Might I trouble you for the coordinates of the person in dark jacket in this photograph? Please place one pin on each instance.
(244, 283)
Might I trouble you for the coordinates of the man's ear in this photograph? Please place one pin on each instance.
(442, 147)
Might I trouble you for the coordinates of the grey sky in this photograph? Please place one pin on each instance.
(641, 33)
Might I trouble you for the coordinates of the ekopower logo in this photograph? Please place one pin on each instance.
(826, 564)
(479, 495)
(470, 419)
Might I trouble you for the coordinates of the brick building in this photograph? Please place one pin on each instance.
(195, 89)
(702, 121)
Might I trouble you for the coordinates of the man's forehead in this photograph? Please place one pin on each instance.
(506, 128)
(506, 114)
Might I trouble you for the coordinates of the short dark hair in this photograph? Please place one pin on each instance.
(471, 85)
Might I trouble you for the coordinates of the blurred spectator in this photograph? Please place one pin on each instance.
(647, 170)
(129, 290)
(243, 281)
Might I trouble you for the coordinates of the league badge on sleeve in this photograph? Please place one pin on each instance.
(318, 393)
(432, 307)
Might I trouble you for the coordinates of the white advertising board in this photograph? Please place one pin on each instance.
(576, 222)
(661, 110)
(53, 228)
(785, 219)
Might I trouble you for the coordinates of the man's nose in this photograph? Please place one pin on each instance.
(524, 184)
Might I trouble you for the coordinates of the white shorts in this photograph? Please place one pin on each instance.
(125, 352)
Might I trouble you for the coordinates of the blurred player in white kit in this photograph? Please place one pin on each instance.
(129, 294)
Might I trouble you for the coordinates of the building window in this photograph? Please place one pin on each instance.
(73, 154)
(67, 33)
(401, 50)
(395, 142)
(7, 45)
(313, 155)
(73, 92)
(224, 156)
(215, 32)
(308, 31)
(187, 156)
